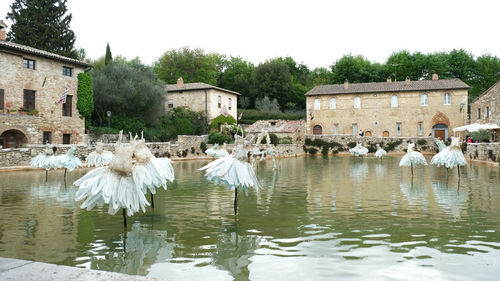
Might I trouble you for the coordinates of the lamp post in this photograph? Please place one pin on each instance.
(108, 113)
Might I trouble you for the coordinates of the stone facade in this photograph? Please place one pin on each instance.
(201, 97)
(489, 152)
(387, 110)
(48, 83)
(294, 129)
(486, 107)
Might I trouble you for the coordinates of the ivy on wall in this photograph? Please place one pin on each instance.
(221, 119)
(85, 92)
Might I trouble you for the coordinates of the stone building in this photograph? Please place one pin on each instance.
(388, 109)
(202, 97)
(281, 128)
(32, 83)
(486, 107)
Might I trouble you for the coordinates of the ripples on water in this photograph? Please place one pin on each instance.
(314, 219)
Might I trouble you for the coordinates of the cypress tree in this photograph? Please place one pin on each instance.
(109, 57)
(42, 24)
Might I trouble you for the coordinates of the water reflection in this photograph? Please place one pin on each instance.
(313, 219)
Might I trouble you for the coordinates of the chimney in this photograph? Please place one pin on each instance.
(407, 81)
(3, 27)
(389, 79)
(435, 76)
(346, 84)
(180, 83)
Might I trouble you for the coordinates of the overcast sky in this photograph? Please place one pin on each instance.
(316, 33)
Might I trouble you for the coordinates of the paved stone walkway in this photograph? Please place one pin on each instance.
(13, 269)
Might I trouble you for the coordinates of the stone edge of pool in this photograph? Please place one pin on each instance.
(14, 269)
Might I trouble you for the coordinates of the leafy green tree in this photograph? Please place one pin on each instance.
(487, 69)
(85, 92)
(321, 76)
(237, 76)
(267, 106)
(130, 89)
(42, 24)
(461, 65)
(272, 79)
(108, 58)
(193, 65)
(356, 69)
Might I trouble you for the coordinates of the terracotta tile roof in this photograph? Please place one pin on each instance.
(196, 86)
(280, 126)
(37, 52)
(399, 86)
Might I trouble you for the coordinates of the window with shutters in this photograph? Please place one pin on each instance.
(68, 106)
(29, 100)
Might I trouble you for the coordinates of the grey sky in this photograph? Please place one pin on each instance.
(313, 32)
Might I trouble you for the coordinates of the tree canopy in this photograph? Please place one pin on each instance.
(42, 24)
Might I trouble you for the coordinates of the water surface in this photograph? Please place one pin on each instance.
(314, 219)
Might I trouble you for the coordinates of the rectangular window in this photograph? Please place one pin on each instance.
(333, 103)
(398, 128)
(219, 101)
(230, 104)
(335, 129)
(487, 112)
(68, 106)
(170, 104)
(479, 113)
(66, 138)
(27, 63)
(317, 104)
(29, 100)
(47, 136)
(419, 128)
(394, 101)
(447, 98)
(424, 100)
(1, 100)
(354, 129)
(66, 71)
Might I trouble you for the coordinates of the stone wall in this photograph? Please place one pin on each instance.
(489, 105)
(425, 145)
(484, 152)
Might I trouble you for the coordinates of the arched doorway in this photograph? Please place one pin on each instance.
(12, 139)
(440, 131)
(317, 130)
(385, 134)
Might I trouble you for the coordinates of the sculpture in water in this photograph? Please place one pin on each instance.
(99, 157)
(412, 158)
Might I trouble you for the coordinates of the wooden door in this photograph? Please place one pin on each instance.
(439, 134)
(385, 134)
(368, 133)
(317, 130)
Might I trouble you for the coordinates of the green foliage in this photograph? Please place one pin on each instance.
(182, 121)
(273, 79)
(390, 146)
(252, 115)
(33, 112)
(85, 93)
(103, 130)
(371, 147)
(193, 65)
(215, 137)
(42, 24)
(203, 146)
(273, 137)
(285, 140)
(221, 119)
(324, 150)
(108, 58)
(237, 76)
(421, 142)
(267, 106)
(481, 135)
(351, 144)
(463, 146)
(356, 69)
(312, 151)
(127, 89)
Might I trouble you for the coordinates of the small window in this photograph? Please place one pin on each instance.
(419, 128)
(229, 104)
(273, 123)
(394, 101)
(66, 138)
(27, 63)
(398, 129)
(354, 129)
(317, 104)
(66, 71)
(47, 136)
(170, 104)
(333, 103)
(479, 113)
(219, 101)
(335, 129)
(424, 100)
(357, 102)
(67, 106)
(1, 100)
(447, 98)
(29, 100)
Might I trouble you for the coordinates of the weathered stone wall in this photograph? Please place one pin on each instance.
(377, 116)
(49, 84)
(489, 103)
(425, 144)
(484, 152)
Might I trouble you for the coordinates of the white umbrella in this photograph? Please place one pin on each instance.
(466, 127)
(488, 126)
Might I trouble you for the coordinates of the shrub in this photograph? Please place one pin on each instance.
(421, 142)
(481, 135)
(85, 94)
(285, 140)
(215, 137)
(351, 144)
(273, 137)
(390, 146)
(33, 112)
(312, 151)
(221, 119)
(372, 147)
(324, 151)
(193, 150)
(203, 146)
